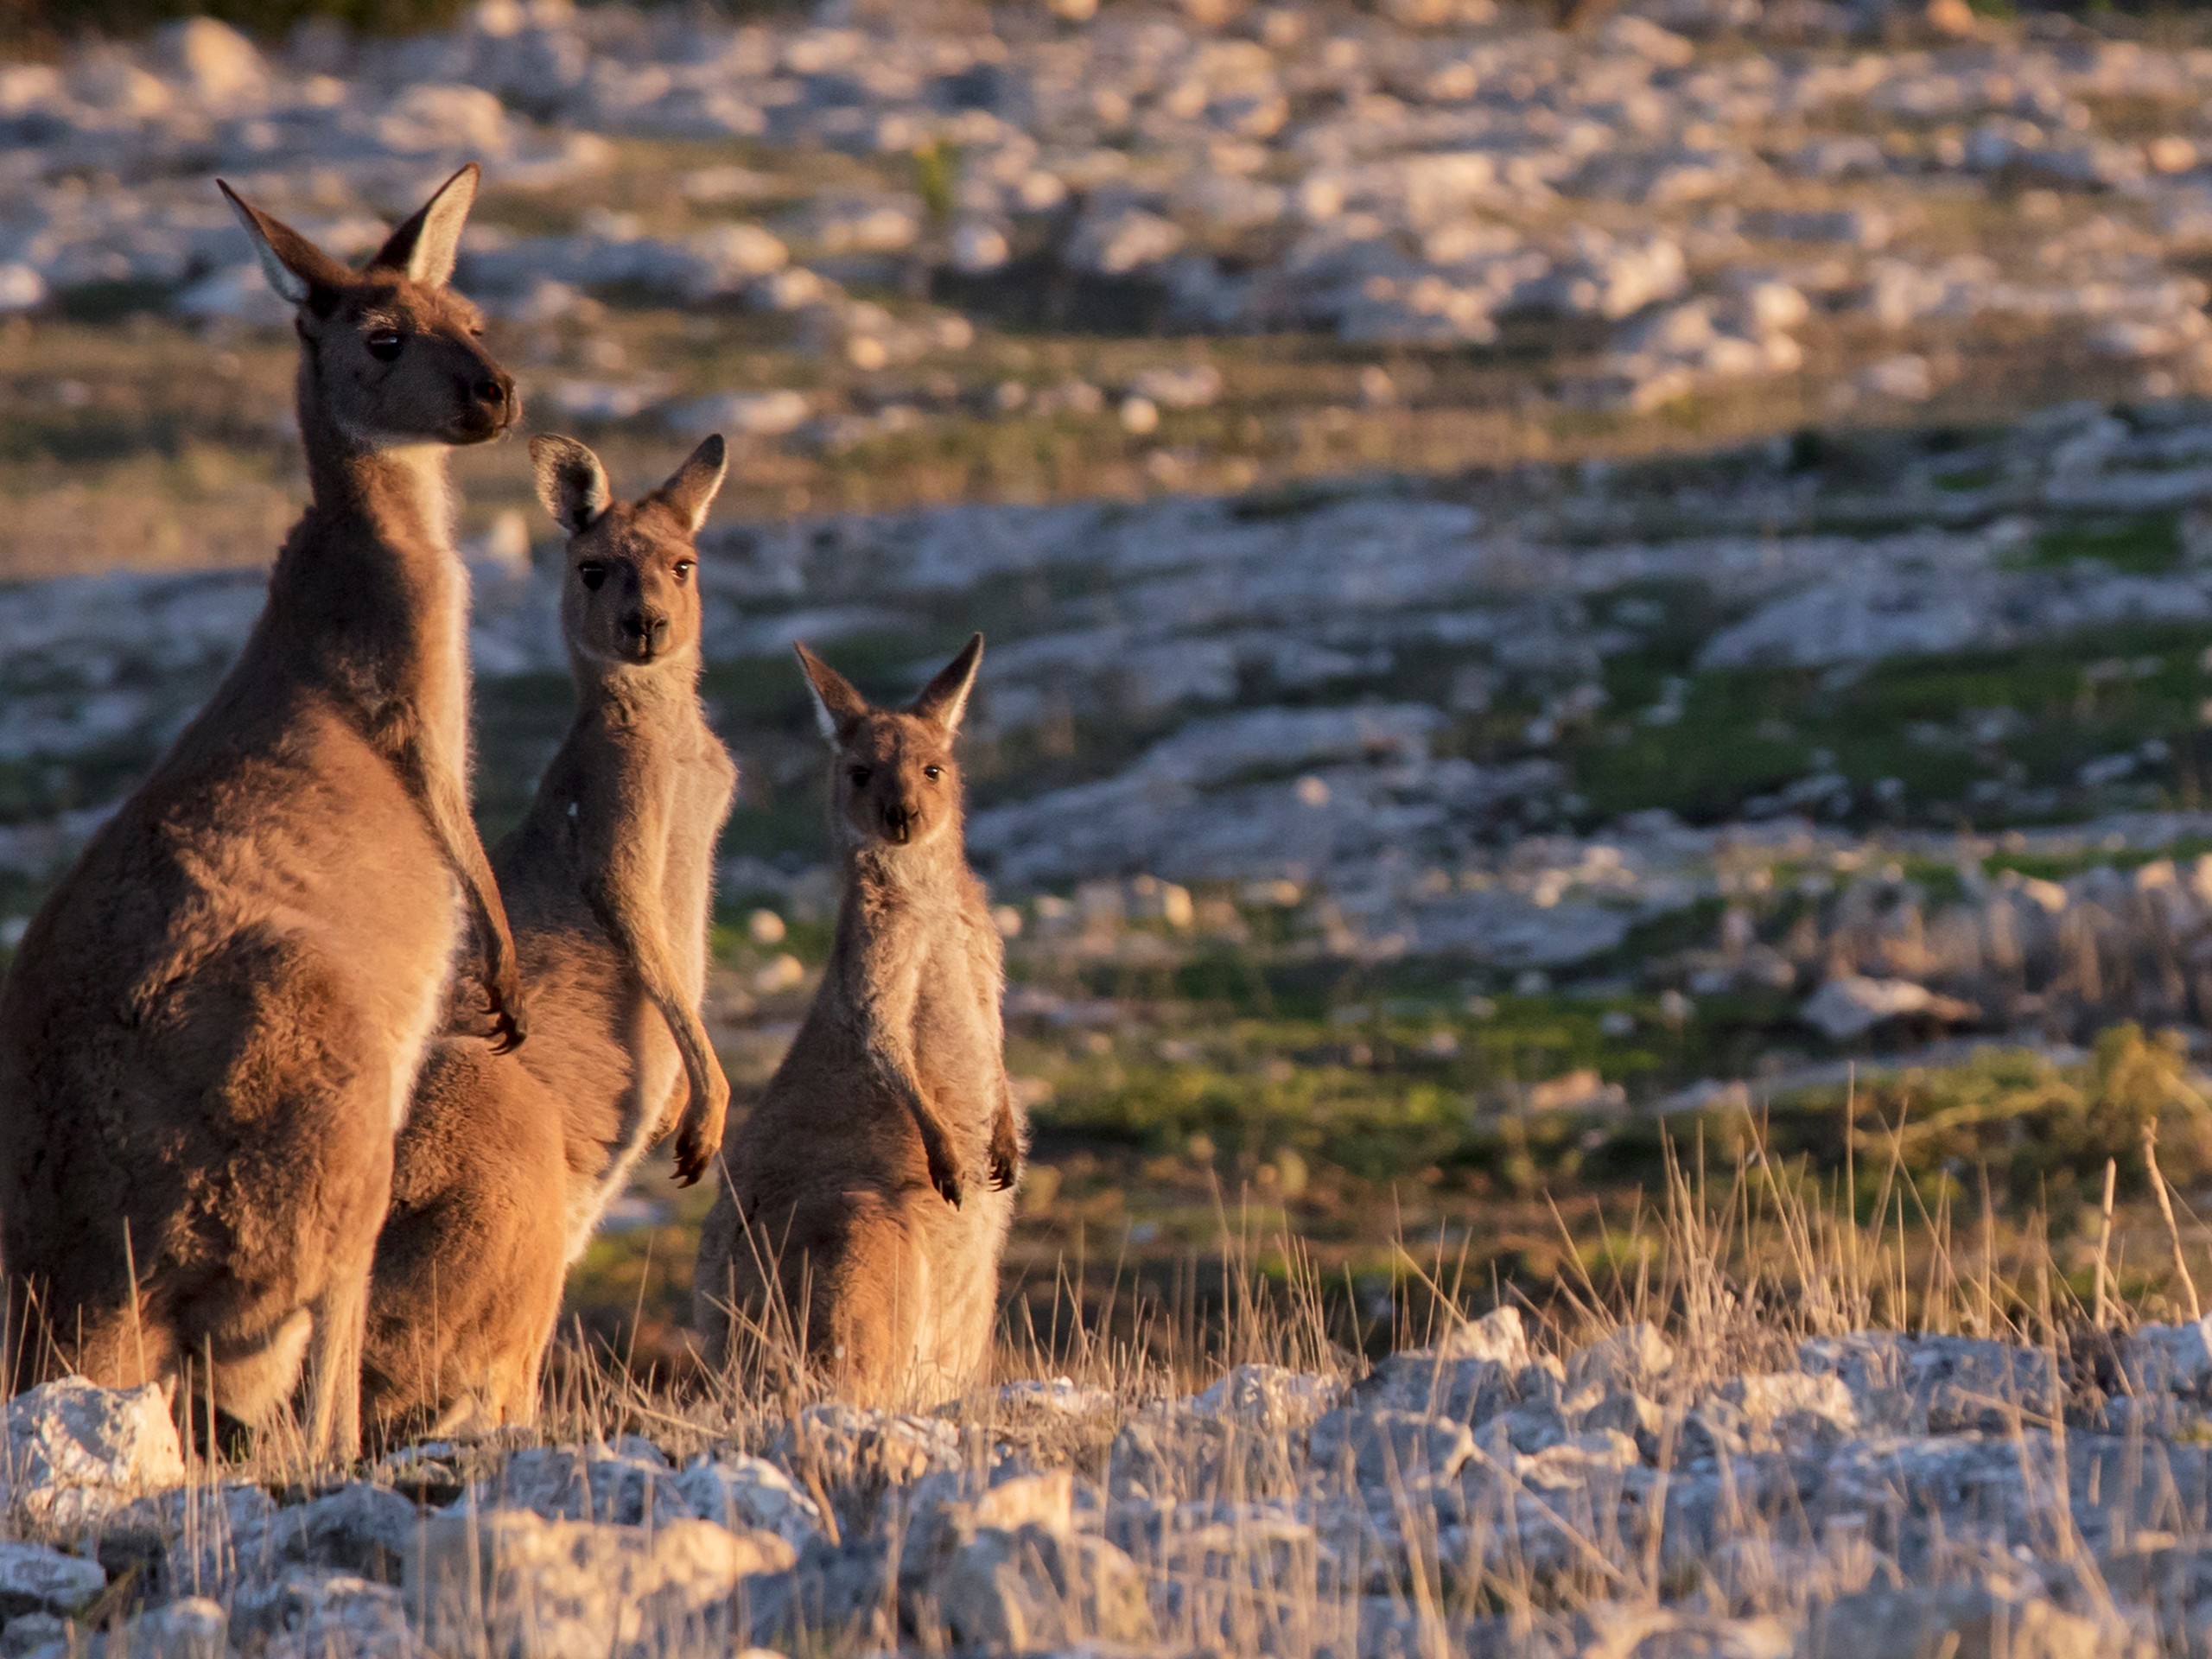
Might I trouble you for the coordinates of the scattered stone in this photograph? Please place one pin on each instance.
(1031, 1590)
(1663, 1633)
(1629, 1357)
(1963, 1621)
(362, 1530)
(563, 1485)
(1384, 1448)
(741, 414)
(1267, 1399)
(1119, 243)
(852, 1455)
(36, 1579)
(29, 1633)
(1851, 1005)
(1191, 388)
(76, 1452)
(309, 1614)
(749, 1494)
(936, 1517)
(575, 1590)
(193, 1627)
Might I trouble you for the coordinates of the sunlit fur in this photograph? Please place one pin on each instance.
(508, 1161)
(215, 1021)
(869, 1193)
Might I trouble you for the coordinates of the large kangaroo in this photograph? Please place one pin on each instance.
(213, 1028)
(848, 1203)
(508, 1160)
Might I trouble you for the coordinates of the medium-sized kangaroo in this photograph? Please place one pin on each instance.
(850, 1198)
(213, 1028)
(508, 1160)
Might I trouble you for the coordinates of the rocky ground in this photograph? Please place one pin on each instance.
(1924, 709)
(1632, 1495)
(1427, 174)
(935, 253)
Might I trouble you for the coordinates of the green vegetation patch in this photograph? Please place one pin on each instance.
(2145, 544)
(1707, 744)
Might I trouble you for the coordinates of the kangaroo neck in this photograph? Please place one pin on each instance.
(884, 880)
(368, 596)
(396, 492)
(628, 692)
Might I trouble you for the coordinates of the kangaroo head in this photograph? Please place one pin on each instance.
(631, 596)
(389, 354)
(893, 779)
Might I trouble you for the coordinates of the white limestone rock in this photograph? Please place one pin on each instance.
(77, 1452)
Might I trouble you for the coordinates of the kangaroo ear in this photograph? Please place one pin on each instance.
(691, 488)
(570, 481)
(838, 706)
(424, 248)
(945, 699)
(294, 266)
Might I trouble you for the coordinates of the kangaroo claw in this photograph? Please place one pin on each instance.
(944, 1176)
(690, 1157)
(947, 1186)
(1005, 1154)
(509, 1025)
(937, 1153)
(699, 1132)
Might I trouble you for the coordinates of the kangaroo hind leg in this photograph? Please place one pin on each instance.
(333, 1366)
(870, 1293)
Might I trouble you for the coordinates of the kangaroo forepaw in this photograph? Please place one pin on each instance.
(691, 1157)
(506, 1022)
(1005, 1152)
(699, 1132)
(944, 1176)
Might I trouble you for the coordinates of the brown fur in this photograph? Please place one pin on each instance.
(508, 1161)
(867, 1195)
(214, 1022)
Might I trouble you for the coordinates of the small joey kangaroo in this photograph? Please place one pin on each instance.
(508, 1160)
(865, 1201)
(214, 1023)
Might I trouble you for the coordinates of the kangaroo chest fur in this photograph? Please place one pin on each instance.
(926, 958)
(603, 1048)
(283, 809)
(956, 1037)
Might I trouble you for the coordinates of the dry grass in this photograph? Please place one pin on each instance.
(1256, 1550)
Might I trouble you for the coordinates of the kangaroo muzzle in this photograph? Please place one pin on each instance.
(645, 634)
(489, 404)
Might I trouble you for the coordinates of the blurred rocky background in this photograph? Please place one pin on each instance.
(1556, 578)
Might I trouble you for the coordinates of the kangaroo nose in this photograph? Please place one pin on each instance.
(898, 823)
(492, 392)
(646, 630)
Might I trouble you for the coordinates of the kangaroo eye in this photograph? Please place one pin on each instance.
(683, 569)
(860, 775)
(594, 576)
(384, 344)
(932, 772)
